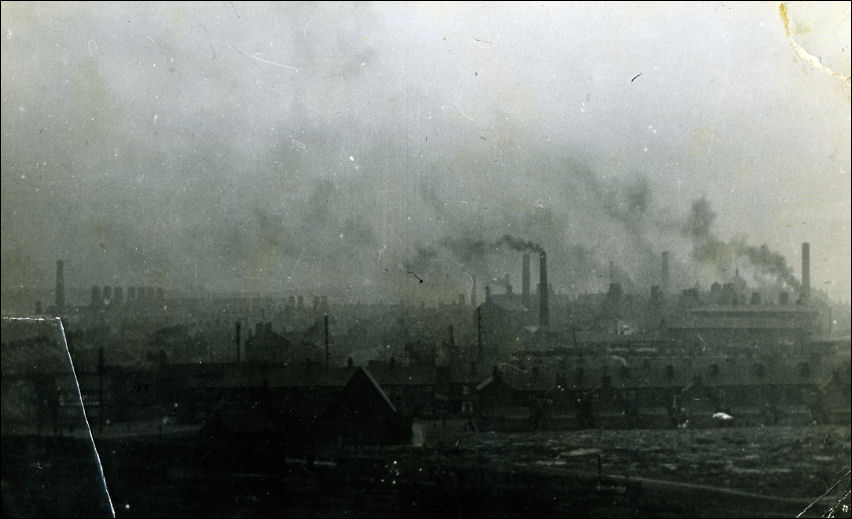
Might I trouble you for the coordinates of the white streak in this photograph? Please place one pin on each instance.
(464, 114)
(258, 58)
(85, 418)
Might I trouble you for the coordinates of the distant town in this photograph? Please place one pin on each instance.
(255, 384)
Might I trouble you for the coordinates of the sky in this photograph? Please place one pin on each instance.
(356, 148)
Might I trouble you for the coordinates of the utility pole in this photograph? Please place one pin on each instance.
(237, 340)
(479, 333)
(100, 390)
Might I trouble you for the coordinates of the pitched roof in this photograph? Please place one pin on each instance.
(363, 373)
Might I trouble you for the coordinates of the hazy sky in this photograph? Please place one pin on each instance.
(336, 146)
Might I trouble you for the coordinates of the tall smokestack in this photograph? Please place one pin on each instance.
(60, 287)
(664, 276)
(325, 338)
(473, 293)
(525, 280)
(544, 308)
(806, 272)
(237, 340)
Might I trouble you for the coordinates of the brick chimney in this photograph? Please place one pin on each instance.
(544, 307)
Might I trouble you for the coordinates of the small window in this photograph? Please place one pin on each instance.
(804, 369)
(670, 371)
(714, 370)
(758, 370)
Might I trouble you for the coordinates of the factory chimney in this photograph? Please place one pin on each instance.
(60, 287)
(237, 340)
(473, 293)
(664, 277)
(806, 272)
(325, 339)
(544, 309)
(525, 280)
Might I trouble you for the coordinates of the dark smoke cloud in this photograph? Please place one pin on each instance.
(768, 262)
(710, 250)
(518, 244)
(217, 165)
(471, 253)
(699, 221)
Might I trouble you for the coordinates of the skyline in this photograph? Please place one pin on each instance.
(270, 147)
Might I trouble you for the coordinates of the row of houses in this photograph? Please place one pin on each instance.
(312, 400)
(665, 393)
(601, 391)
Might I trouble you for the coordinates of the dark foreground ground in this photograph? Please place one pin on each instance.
(753, 472)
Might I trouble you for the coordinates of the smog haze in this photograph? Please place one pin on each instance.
(272, 148)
